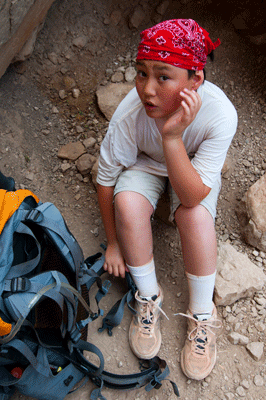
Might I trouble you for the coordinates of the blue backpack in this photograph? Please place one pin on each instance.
(45, 309)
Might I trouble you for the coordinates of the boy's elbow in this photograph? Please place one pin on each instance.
(195, 199)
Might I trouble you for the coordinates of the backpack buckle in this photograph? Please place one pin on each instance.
(35, 216)
(20, 284)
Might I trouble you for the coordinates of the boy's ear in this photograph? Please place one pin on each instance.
(198, 79)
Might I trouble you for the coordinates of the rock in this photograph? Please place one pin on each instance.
(75, 93)
(29, 176)
(55, 110)
(115, 17)
(62, 94)
(251, 213)
(130, 74)
(65, 167)
(28, 47)
(20, 22)
(237, 277)
(79, 129)
(258, 380)
(241, 391)
(237, 338)
(80, 42)
(71, 151)
(53, 58)
(245, 384)
(69, 82)
(136, 18)
(117, 77)
(89, 142)
(111, 95)
(255, 349)
(229, 396)
(85, 163)
(227, 167)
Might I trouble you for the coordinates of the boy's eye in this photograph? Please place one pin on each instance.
(163, 78)
(141, 73)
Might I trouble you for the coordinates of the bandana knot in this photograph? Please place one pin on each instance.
(179, 42)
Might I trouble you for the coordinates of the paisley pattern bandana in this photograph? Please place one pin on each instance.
(179, 42)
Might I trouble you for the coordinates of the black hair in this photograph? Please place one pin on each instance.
(192, 72)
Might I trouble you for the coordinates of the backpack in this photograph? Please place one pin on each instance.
(45, 306)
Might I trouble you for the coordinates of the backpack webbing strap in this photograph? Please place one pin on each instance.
(38, 216)
(115, 315)
(28, 266)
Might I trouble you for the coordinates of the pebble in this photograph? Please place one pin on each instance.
(258, 380)
(255, 349)
(62, 94)
(241, 391)
(80, 42)
(117, 77)
(245, 384)
(55, 110)
(229, 396)
(130, 74)
(75, 93)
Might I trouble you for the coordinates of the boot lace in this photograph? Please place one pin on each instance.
(147, 313)
(199, 335)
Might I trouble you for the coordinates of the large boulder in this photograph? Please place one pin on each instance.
(111, 95)
(237, 277)
(20, 22)
(251, 213)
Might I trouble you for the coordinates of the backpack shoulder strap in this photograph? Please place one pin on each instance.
(49, 217)
(10, 202)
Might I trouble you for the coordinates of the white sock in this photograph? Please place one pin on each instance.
(201, 293)
(145, 279)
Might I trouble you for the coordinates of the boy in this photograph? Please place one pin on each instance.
(173, 126)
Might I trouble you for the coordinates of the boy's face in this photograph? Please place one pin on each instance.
(159, 85)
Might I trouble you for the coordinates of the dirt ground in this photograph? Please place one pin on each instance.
(35, 122)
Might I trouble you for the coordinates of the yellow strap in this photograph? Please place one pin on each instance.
(10, 202)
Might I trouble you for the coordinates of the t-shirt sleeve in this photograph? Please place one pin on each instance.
(211, 153)
(118, 151)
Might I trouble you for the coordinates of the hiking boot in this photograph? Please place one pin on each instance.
(144, 332)
(198, 356)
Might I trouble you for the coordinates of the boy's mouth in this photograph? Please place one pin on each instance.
(149, 104)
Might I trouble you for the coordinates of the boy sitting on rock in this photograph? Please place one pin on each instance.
(173, 127)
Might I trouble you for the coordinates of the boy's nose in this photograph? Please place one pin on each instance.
(149, 88)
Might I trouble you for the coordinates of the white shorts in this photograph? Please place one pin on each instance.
(152, 186)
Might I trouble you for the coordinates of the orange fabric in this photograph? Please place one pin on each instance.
(10, 202)
(5, 328)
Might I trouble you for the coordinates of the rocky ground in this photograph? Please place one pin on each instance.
(49, 101)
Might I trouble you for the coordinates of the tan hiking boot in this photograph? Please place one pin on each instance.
(144, 332)
(198, 356)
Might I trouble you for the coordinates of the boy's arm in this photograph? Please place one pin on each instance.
(184, 179)
(114, 262)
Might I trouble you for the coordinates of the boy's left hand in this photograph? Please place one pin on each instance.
(183, 116)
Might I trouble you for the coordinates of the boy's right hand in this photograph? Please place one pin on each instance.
(114, 261)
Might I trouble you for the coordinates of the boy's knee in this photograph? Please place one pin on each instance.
(187, 218)
(131, 205)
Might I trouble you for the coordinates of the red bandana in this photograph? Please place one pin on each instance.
(179, 42)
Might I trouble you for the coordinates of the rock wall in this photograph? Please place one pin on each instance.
(19, 22)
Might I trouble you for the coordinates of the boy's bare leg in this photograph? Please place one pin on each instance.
(133, 225)
(198, 239)
(132, 216)
(199, 248)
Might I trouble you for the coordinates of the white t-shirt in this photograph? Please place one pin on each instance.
(134, 141)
